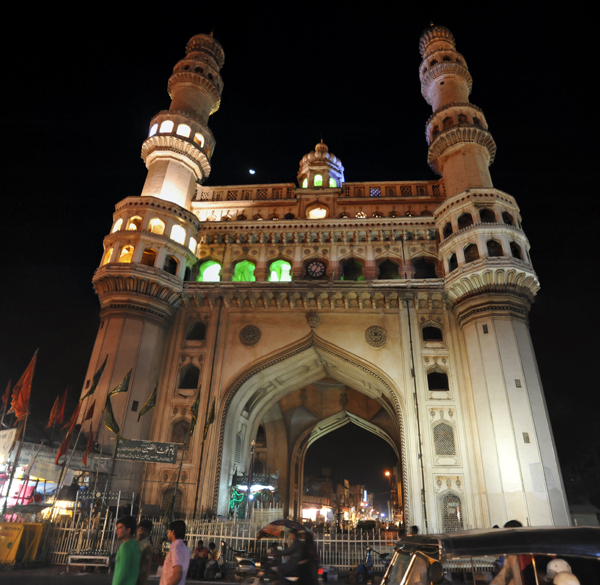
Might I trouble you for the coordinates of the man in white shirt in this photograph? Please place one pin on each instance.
(176, 565)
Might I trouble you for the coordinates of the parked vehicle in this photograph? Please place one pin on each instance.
(245, 564)
(479, 556)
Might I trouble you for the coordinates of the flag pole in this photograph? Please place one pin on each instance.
(172, 515)
(29, 469)
(14, 467)
(7, 394)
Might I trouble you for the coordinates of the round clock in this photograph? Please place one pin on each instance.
(316, 269)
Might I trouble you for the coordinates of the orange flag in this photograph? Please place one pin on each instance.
(71, 424)
(60, 414)
(53, 412)
(89, 447)
(64, 446)
(90, 412)
(22, 391)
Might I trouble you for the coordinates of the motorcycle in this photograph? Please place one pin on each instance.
(365, 571)
(246, 566)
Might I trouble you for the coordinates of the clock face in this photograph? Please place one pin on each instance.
(316, 269)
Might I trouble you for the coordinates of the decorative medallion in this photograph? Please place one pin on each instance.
(376, 336)
(250, 335)
(312, 319)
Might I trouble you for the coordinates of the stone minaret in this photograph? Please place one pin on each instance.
(490, 284)
(151, 249)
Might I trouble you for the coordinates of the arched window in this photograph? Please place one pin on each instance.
(431, 333)
(507, 218)
(126, 254)
(199, 139)
(361, 215)
(436, 131)
(332, 183)
(447, 230)
(153, 130)
(289, 216)
(318, 181)
(433, 63)
(515, 251)
(134, 223)
(452, 263)
(184, 130)
(167, 499)
(280, 271)
(446, 58)
(494, 248)
(316, 212)
(259, 467)
(178, 234)
(166, 127)
(117, 225)
(452, 516)
(388, 270)
(443, 439)
(487, 215)
(244, 272)
(258, 217)
(193, 245)
(241, 217)
(462, 119)
(448, 122)
(352, 270)
(210, 271)
(171, 265)
(471, 253)
(189, 378)
(197, 332)
(148, 257)
(378, 214)
(437, 380)
(305, 184)
(107, 256)
(476, 121)
(465, 220)
(424, 268)
(156, 226)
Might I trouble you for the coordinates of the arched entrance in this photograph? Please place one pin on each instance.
(250, 399)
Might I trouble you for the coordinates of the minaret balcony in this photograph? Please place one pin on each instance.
(498, 274)
(177, 148)
(457, 135)
(486, 228)
(440, 70)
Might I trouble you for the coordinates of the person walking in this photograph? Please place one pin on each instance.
(177, 563)
(127, 564)
(144, 532)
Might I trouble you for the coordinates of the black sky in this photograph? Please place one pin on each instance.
(78, 95)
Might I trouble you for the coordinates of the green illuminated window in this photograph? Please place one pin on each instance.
(318, 181)
(210, 272)
(280, 271)
(244, 272)
(305, 183)
(332, 183)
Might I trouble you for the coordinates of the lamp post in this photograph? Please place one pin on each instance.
(393, 499)
(249, 501)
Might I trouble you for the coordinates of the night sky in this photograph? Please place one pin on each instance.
(77, 99)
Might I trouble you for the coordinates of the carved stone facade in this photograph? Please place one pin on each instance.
(296, 308)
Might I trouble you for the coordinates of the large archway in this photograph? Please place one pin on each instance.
(256, 390)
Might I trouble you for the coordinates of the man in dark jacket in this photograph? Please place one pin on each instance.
(295, 553)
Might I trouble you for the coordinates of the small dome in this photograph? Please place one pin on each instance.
(201, 43)
(321, 147)
(323, 163)
(434, 32)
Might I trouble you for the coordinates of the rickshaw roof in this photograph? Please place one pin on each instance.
(580, 541)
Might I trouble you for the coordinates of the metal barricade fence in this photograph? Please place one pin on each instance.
(340, 549)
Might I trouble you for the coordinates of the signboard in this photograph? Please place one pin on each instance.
(6, 441)
(147, 451)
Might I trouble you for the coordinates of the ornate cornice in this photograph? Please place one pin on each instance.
(138, 279)
(199, 80)
(460, 134)
(444, 68)
(186, 149)
(484, 196)
(312, 341)
(491, 275)
(160, 205)
(492, 304)
(467, 105)
(129, 236)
